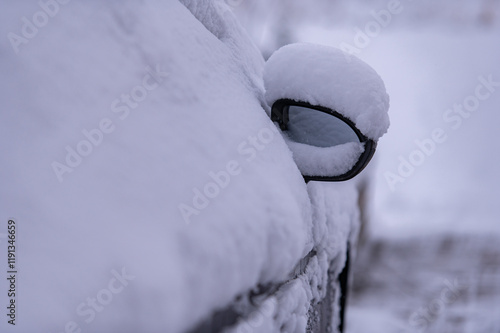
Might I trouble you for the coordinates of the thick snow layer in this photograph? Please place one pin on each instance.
(326, 76)
(148, 184)
(218, 18)
(325, 161)
(335, 220)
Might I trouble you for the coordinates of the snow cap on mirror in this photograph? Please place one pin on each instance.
(326, 76)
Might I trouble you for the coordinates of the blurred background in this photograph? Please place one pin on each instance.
(433, 260)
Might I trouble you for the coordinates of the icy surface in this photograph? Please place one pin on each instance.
(326, 76)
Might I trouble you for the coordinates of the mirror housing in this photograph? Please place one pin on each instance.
(331, 107)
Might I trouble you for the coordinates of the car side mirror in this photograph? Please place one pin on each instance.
(331, 107)
(326, 145)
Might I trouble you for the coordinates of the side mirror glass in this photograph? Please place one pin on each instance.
(326, 145)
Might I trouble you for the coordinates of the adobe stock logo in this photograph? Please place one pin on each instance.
(220, 180)
(425, 316)
(372, 29)
(122, 107)
(90, 309)
(31, 26)
(454, 117)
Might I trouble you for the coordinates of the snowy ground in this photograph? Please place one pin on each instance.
(432, 284)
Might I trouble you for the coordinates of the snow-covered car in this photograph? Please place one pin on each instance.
(144, 186)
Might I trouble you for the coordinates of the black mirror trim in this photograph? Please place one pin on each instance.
(279, 114)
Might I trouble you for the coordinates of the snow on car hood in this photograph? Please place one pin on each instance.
(148, 184)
